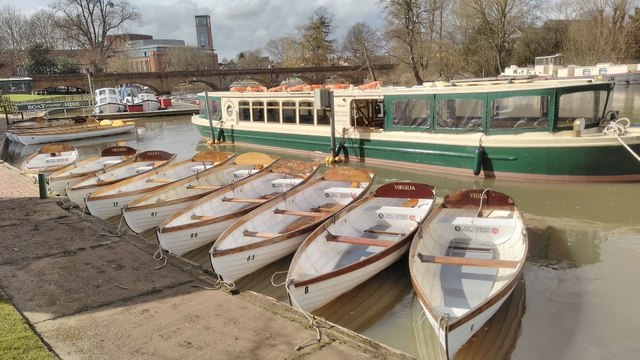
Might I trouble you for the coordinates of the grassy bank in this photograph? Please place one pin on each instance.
(17, 341)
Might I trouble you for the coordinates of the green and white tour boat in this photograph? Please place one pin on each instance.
(526, 129)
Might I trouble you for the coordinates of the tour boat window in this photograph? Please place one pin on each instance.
(461, 113)
(367, 113)
(589, 105)
(288, 112)
(306, 112)
(213, 106)
(273, 112)
(244, 111)
(526, 112)
(412, 113)
(257, 110)
(323, 118)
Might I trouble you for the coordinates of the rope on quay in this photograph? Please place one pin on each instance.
(314, 322)
(617, 128)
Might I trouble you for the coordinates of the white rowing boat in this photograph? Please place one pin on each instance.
(204, 220)
(278, 227)
(148, 211)
(109, 200)
(465, 261)
(143, 162)
(357, 243)
(50, 158)
(61, 179)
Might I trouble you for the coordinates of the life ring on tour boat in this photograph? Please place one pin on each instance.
(370, 85)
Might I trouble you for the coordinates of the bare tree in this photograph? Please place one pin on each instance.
(598, 31)
(13, 26)
(252, 60)
(316, 45)
(404, 32)
(89, 22)
(362, 43)
(496, 24)
(284, 51)
(186, 59)
(42, 29)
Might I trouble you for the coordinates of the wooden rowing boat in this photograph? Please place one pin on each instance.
(357, 243)
(59, 180)
(465, 261)
(278, 227)
(148, 211)
(50, 158)
(66, 133)
(40, 123)
(204, 220)
(143, 162)
(109, 200)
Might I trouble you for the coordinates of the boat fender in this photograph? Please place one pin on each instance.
(477, 160)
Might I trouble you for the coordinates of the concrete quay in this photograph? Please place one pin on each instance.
(90, 293)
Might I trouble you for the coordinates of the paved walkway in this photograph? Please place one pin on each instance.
(92, 294)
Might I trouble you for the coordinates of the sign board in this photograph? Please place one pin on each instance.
(52, 105)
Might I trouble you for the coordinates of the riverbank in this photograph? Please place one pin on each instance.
(92, 293)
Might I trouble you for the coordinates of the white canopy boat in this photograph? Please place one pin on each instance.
(61, 179)
(357, 243)
(109, 200)
(278, 227)
(148, 211)
(50, 158)
(108, 101)
(211, 215)
(143, 162)
(465, 260)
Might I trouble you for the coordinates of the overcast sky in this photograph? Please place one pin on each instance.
(237, 24)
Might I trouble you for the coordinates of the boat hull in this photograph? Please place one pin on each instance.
(47, 137)
(143, 218)
(182, 241)
(519, 161)
(232, 267)
(313, 296)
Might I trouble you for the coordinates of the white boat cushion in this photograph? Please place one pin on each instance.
(285, 183)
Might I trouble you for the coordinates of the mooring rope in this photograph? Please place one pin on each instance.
(230, 285)
(617, 128)
(314, 322)
(159, 256)
(119, 230)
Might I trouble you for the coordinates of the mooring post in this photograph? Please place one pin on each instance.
(42, 185)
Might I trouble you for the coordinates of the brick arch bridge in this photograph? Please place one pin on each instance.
(164, 82)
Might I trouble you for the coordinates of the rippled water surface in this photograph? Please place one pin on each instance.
(578, 298)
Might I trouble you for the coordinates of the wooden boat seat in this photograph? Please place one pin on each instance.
(460, 261)
(240, 200)
(260, 234)
(201, 217)
(385, 232)
(359, 240)
(202, 187)
(327, 207)
(299, 213)
(271, 195)
(159, 180)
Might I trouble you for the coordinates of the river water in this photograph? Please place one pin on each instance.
(579, 295)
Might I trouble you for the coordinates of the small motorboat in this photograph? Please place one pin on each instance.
(148, 211)
(279, 226)
(357, 243)
(465, 261)
(61, 179)
(109, 200)
(211, 215)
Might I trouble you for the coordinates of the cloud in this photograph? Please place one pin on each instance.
(239, 25)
